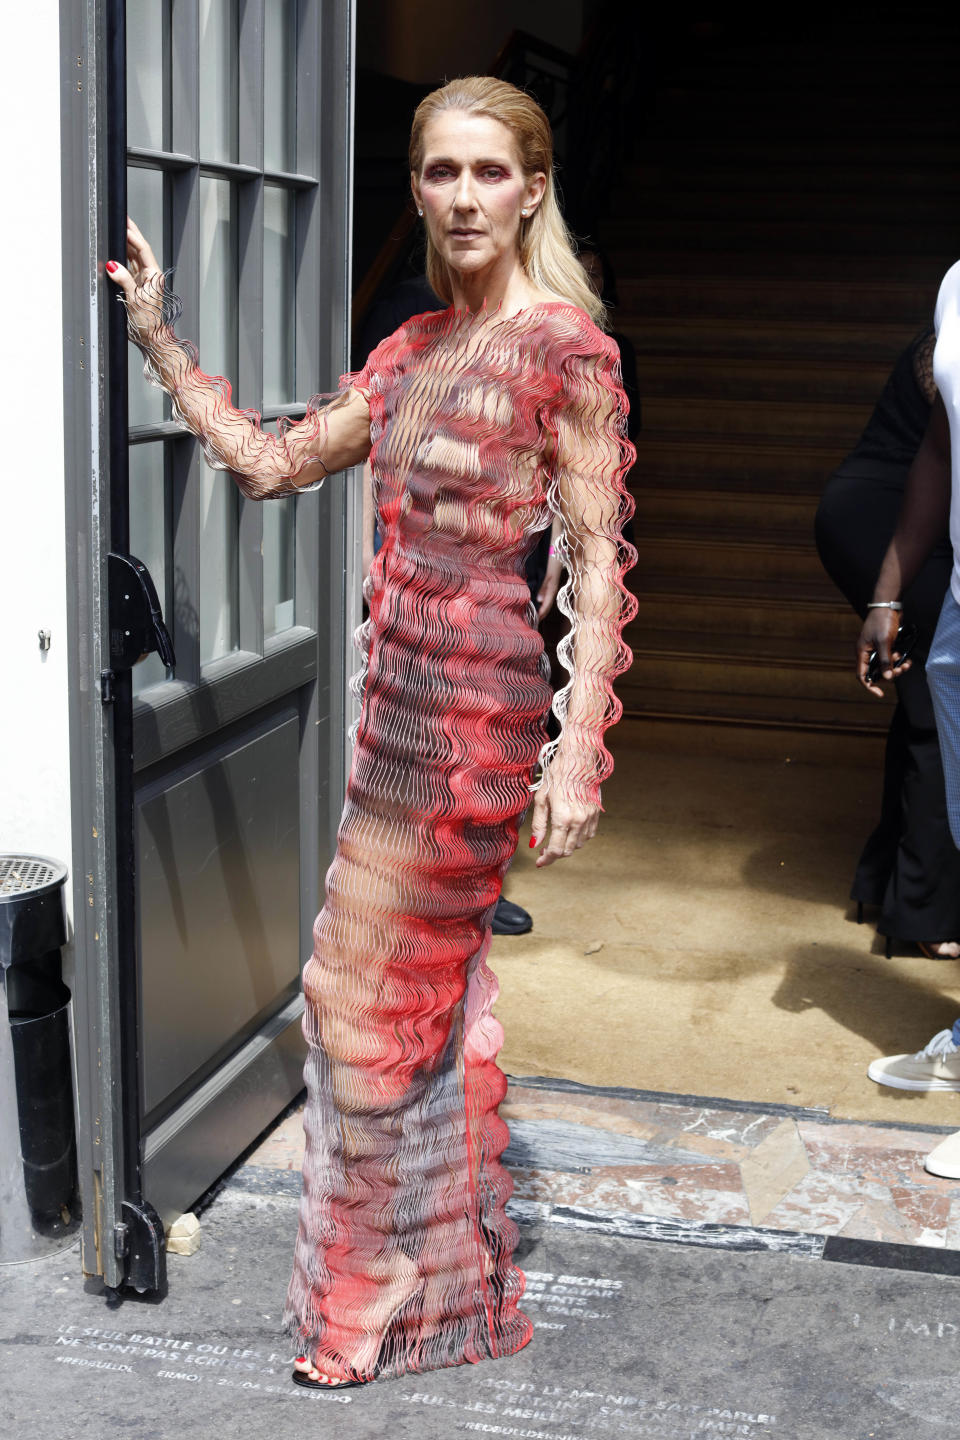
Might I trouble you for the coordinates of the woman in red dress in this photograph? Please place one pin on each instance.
(482, 422)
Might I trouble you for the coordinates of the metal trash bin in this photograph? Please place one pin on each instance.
(39, 1207)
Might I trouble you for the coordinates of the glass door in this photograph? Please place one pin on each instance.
(238, 148)
(235, 750)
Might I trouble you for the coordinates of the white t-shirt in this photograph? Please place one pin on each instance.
(946, 372)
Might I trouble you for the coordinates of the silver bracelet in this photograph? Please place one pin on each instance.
(884, 605)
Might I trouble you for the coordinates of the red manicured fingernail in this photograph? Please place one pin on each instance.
(300, 1359)
(111, 266)
(533, 842)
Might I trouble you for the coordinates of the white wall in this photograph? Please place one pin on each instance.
(34, 753)
(428, 40)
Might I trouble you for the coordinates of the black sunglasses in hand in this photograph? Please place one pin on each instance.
(904, 641)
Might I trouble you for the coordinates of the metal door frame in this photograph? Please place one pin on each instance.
(109, 1145)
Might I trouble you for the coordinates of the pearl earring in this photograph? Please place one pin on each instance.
(524, 214)
(420, 212)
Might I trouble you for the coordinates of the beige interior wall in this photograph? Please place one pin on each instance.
(427, 40)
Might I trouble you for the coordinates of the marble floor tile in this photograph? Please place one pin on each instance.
(824, 1204)
(523, 1106)
(646, 1191)
(773, 1169)
(670, 1160)
(923, 1209)
(879, 1220)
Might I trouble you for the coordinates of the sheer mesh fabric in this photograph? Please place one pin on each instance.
(265, 466)
(481, 428)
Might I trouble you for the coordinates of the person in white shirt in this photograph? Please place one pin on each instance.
(929, 500)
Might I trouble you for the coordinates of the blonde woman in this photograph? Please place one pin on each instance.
(481, 422)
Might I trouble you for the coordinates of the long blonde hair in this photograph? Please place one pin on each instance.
(547, 251)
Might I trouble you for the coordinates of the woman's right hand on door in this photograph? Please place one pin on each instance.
(141, 281)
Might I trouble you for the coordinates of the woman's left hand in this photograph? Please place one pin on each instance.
(571, 822)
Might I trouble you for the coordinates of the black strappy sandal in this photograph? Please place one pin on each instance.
(299, 1378)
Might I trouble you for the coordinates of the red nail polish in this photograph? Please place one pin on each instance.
(300, 1359)
(533, 842)
(111, 266)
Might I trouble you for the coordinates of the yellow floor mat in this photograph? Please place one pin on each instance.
(703, 942)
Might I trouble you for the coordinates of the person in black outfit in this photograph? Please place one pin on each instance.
(910, 866)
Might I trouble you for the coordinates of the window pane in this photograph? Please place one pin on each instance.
(280, 85)
(218, 277)
(145, 197)
(279, 564)
(150, 532)
(146, 33)
(219, 595)
(219, 105)
(279, 313)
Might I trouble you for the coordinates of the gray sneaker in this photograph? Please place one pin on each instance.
(945, 1159)
(937, 1067)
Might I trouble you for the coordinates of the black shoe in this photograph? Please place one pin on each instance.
(510, 919)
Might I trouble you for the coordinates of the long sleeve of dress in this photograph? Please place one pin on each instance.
(264, 465)
(591, 456)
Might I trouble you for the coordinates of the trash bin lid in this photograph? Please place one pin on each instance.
(33, 874)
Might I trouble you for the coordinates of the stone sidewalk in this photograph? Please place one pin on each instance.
(655, 1313)
(634, 1337)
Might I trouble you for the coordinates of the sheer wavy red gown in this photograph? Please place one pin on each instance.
(482, 427)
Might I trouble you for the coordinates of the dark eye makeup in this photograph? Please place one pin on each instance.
(444, 169)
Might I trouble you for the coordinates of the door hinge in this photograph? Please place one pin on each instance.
(139, 1242)
(107, 692)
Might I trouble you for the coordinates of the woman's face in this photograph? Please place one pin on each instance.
(472, 189)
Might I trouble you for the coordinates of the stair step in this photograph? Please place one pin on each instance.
(767, 379)
(768, 672)
(895, 115)
(696, 551)
(709, 204)
(832, 656)
(823, 94)
(742, 298)
(789, 513)
(767, 158)
(813, 420)
(684, 459)
(820, 67)
(683, 169)
(852, 343)
(852, 269)
(898, 237)
(798, 615)
(796, 712)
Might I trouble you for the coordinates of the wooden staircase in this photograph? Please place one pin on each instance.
(779, 237)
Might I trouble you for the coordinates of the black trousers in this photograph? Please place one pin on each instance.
(910, 866)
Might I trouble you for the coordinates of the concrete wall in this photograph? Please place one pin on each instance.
(34, 753)
(427, 40)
